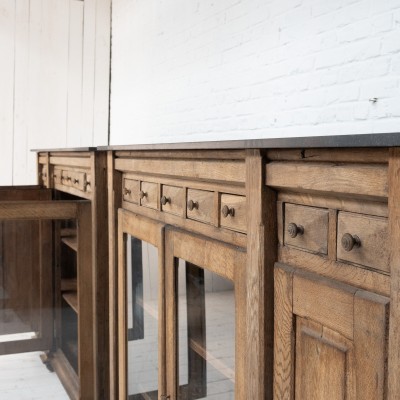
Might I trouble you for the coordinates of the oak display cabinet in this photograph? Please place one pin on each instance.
(312, 229)
(53, 276)
(178, 235)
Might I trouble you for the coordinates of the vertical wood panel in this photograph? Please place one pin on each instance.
(261, 255)
(394, 238)
(75, 64)
(22, 158)
(88, 71)
(7, 42)
(102, 72)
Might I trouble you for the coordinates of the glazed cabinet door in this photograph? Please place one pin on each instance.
(141, 322)
(26, 267)
(45, 306)
(330, 339)
(205, 314)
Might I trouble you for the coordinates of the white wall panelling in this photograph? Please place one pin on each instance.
(53, 54)
(7, 23)
(229, 69)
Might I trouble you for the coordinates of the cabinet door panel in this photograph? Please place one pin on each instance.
(330, 338)
(26, 268)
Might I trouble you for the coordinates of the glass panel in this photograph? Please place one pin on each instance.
(142, 319)
(206, 323)
(29, 308)
(19, 280)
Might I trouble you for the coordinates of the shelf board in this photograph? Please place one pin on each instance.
(68, 232)
(72, 299)
(71, 242)
(68, 285)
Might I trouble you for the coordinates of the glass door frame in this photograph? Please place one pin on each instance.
(223, 259)
(152, 232)
(44, 211)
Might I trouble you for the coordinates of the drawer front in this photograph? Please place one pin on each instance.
(66, 178)
(88, 183)
(233, 212)
(130, 190)
(149, 195)
(57, 176)
(306, 228)
(200, 205)
(363, 239)
(172, 199)
(78, 180)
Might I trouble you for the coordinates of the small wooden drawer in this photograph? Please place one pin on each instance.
(200, 205)
(78, 180)
(43, 173)
(57, 176)
(66, 178)
(88, 183)
(363, 239)
(130, 190)
(233, 212)
(172, 199)
(149, 195)
(306, 228)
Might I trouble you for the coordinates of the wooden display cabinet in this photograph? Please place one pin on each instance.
(54, 270)
(334, 311)
(192, 207)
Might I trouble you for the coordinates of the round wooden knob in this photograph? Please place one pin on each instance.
(126, 191)
(295, 230)
(349, 241)
(68, 178)
(76, 180)
(228, 211)
(142, 194)
(192, 204)
(165, 200)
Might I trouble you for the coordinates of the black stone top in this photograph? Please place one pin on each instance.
(77, 149)
(335, 141)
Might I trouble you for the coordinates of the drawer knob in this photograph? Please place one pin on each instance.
(228, 211)
(68, 178)
(349, 241)
(127, 191)
(142, 194)
(76, 180)
(192, 204)
(165, 200)
(295, 230)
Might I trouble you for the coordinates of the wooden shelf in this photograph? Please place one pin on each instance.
(71, 242)
(68, 285)
(68, 232)
(69, 238)
(72, 299)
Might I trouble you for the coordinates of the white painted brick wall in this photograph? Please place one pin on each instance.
(189, 70)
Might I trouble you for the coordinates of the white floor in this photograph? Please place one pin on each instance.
(25, 377)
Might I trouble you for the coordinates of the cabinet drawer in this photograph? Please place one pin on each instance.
(172, 199)
(57, 176)
(130, 190)
(66, 178)
(363, 239)
(78, 180)
(306, 228)
(200, 205)
(233, 212)
(149, 195)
